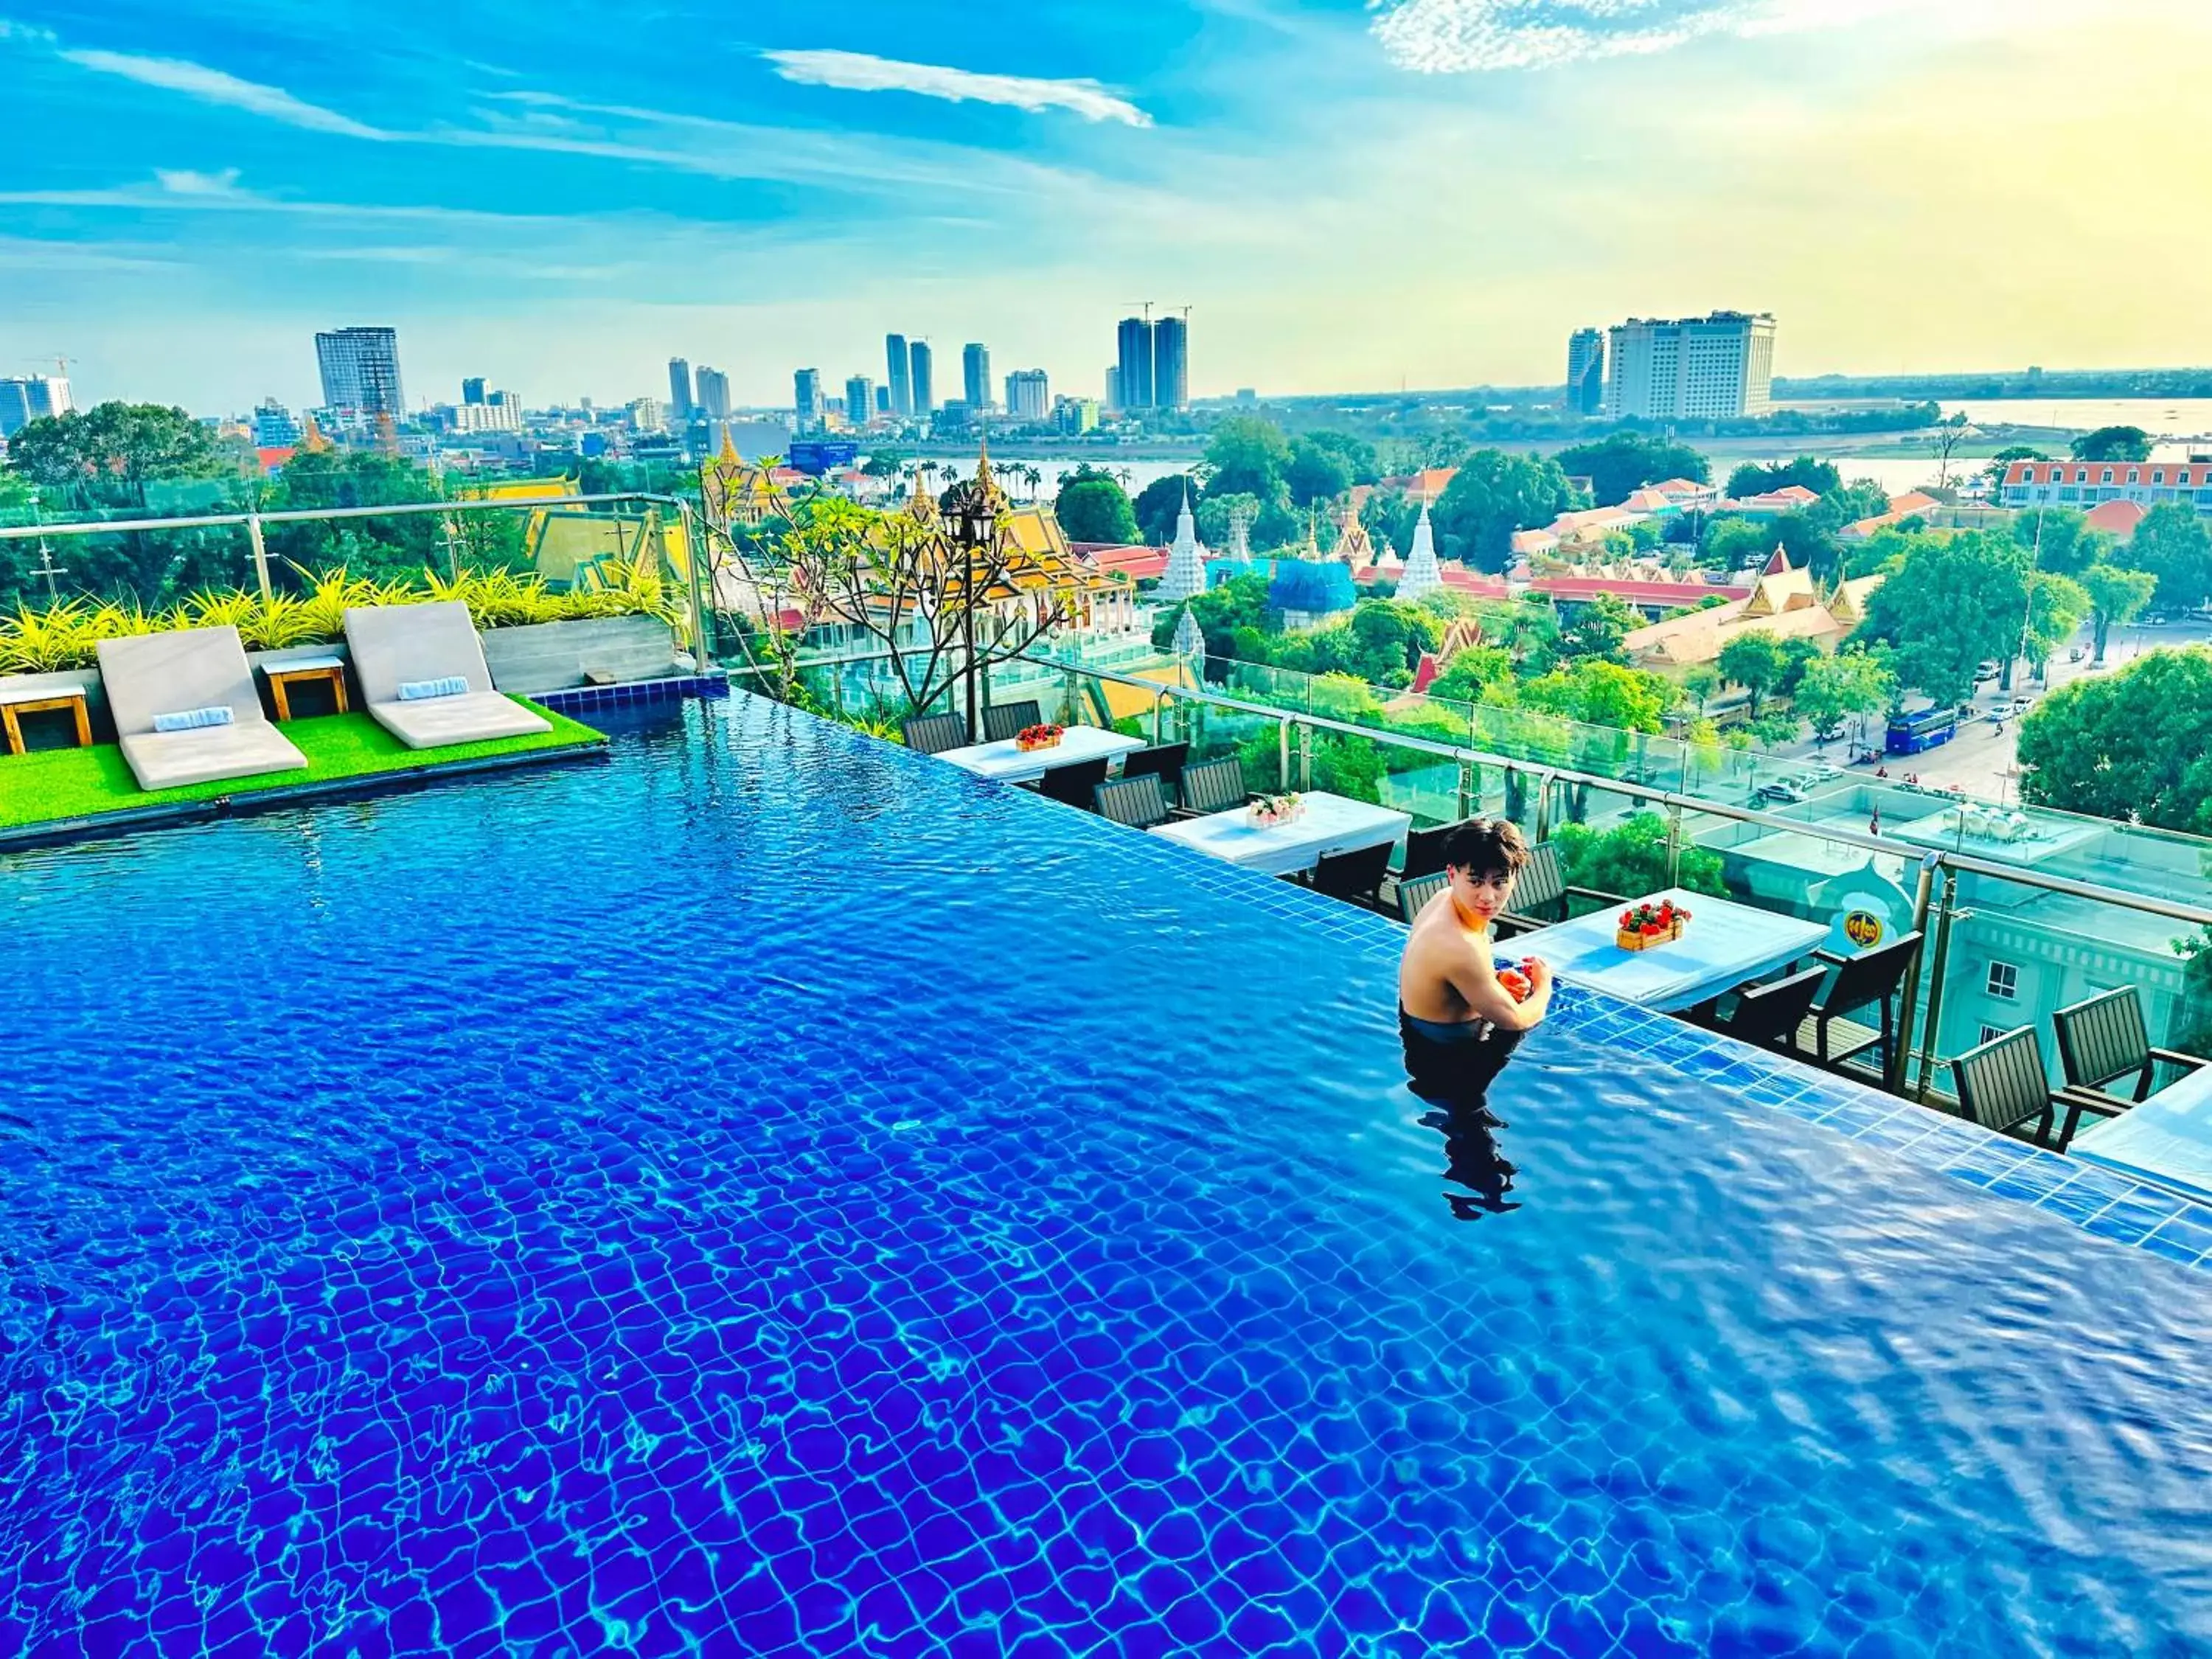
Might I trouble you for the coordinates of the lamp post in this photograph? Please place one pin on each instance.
(972, 515)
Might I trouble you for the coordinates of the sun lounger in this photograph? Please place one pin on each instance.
(186, 709)
(423, 674)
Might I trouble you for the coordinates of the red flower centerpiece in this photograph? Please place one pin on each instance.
(1643, 926)
(1038, 737)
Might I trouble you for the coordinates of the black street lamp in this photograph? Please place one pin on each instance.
(972, 514)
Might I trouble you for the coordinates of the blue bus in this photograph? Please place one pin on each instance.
(1925, 728)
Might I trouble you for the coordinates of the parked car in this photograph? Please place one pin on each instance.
(2022, 705)
(1781, 792)
(1987, 672)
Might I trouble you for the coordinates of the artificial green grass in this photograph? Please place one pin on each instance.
(53, 784)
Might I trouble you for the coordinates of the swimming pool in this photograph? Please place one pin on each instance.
(773, 1193)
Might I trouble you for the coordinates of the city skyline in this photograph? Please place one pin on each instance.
(227, 191)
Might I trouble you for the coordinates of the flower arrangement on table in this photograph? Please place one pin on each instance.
(1266, 812)
(1046, 736)
(1643, 926)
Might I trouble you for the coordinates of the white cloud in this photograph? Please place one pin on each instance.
(183, 181)
(214, 86)
(859, 71)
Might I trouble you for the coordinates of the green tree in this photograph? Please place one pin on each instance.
(1954, 602)
(1092, 506)
(1159, 504)
(2000, 462)
(1598, 629)
(1863, 498)
(1620, 464)
(1492, 496)
(2060, 540)
(1232, 617)
(1699, 681)
(108, 454)
(1807, 473)
(2117, 598)
(1732, 543)
(2138, 742)
(2056, 608)
(1809, 546)
(1753, 660)
(1315, 474)
(2113, 443)
(1631, 859)
(1247, 456)
(1838, 689)
(1602, 693)
(1213, 513)
(1358, 455)
(2175, 545)
(1798, 656)
(1475, 675)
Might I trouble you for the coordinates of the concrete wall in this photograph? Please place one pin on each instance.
(554, 656)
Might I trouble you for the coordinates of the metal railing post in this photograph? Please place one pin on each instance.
(1283, 754)
(1936, 983)
(1157, 698)
(1675, 844)
(260, 557)
(1544, 782)
(1466, 789)
(1908, 1017)
(1305, 756)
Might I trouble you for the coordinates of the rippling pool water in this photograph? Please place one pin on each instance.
(774, 1194)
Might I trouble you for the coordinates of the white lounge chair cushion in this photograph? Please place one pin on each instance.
(475, 717)
(453, 685)
(193, 719)
(169, 760)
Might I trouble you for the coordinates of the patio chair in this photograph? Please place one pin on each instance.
(1766, 1016)
(424, 678)
(1414, 896)
(1215, 787)
(1164, 760)
(1425, 856)
(2103, 1039)
(1868, 980)
(1002, 720)
(1542, 896)
(186, 710)
(1075, 785)
(1137, 802)
(1355, 876)
(2002, 1086)
(933, 734)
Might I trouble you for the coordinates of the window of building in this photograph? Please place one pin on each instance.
(2004, 981)
(2158, 475)
(2107, 478)
(1989, 1034)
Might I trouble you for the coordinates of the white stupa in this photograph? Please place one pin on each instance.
(1185, 576)
(1189, 638)
(1421, 576)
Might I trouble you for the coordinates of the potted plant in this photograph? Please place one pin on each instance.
(1643, 926)
(1046, 736)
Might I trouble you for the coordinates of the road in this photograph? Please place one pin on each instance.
(1981, 759)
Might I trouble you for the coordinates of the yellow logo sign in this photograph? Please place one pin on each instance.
(1863, 929)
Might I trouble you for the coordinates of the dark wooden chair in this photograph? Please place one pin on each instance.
(2103, 1040)
(1425, 856)
(1214, 787)
(1002, 720)
(1868, 980)
(1163, 761)
(1414, 896)
(1075, 785)
(933, 734)
(1765, 1016)
(1542, 896)
(1139, 802)
(1355, 876)
(2003, 1085)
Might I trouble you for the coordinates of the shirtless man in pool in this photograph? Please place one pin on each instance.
(1458, 1023)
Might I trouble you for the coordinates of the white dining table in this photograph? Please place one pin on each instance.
(1723, 944)
(2167, 1140)
(1007, 763)
(1329, 824)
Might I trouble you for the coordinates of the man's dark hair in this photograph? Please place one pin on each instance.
(1487, 846)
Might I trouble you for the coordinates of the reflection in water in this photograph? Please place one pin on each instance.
(1472, 1158)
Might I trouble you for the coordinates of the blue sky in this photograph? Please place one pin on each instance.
(1348, 195)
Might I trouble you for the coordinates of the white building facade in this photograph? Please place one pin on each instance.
(1719, 368)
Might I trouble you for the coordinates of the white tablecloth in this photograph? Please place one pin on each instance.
(2167, 1140)
(1330, 824)
(1008, 764)
(1725, 944)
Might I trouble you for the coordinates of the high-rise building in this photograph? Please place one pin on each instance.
(714, 404)
(1029, 395)
(975, 377)
(1171, 363)
(31, 398)
(898, 391)
(361, 370)
(1113, 388)
(806, 397)
(1134, 337)
(860, 400)
(1586, 372)
(679, 392)
(645, 416)
(273, 425)
(1075, 416)
(473, 389)
(919, 386)
(1719, 368)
